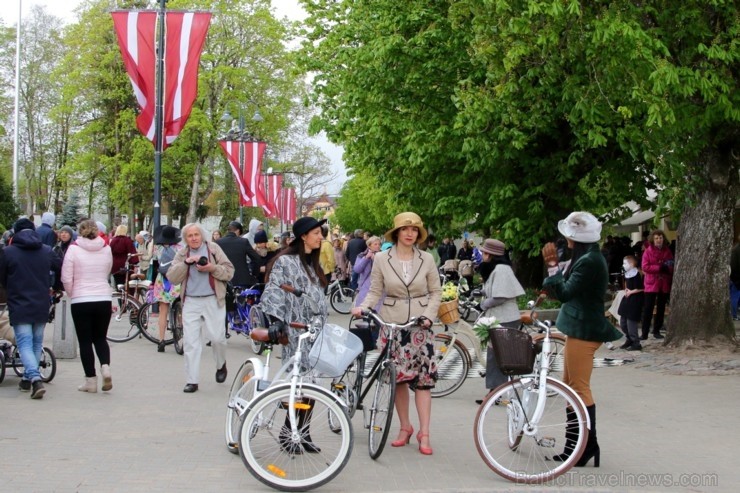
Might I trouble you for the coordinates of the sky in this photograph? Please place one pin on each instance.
(286, 8)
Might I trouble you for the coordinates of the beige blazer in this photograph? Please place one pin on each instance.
(421, 296)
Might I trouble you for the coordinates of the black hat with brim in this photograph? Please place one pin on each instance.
(166, 235)
(306, 224)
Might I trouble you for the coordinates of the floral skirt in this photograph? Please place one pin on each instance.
(165, 291)
(413, 353)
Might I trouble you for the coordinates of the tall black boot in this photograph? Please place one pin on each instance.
(571, 435)
(592, 446)
(304, 421)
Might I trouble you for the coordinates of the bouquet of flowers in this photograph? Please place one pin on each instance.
(449, 292)
(483, 325)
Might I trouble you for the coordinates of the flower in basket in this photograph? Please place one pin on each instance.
(449, 292)
(482, 326)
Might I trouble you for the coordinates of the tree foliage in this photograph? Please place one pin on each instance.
(511, 113)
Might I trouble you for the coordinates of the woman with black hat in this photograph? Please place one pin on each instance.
(297, 265)
(167, 241)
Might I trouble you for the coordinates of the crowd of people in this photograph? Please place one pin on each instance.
(396, 275)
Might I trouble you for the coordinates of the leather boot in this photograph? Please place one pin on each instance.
(107, 380)
(304, 421)
(571, 436)
(90, 385)
(592, 446)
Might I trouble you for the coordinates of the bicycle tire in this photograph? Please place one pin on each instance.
(124, 321)
(257, 320)
(516, 454)
(175, 323)
(452, 368)
(244, 387)
(341, 299)
(149, 325)
(2, 367)
(381, 412)
(267, 454)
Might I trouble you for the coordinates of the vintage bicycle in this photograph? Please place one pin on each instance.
(520, 426)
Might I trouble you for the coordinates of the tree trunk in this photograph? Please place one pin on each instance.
(194, 195)
(699, 306)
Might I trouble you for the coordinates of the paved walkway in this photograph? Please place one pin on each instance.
(674, 433)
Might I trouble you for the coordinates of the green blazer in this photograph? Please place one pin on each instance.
(582, 293)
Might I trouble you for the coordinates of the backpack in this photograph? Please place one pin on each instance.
(165, 259)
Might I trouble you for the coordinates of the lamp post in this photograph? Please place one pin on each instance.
(237, 133)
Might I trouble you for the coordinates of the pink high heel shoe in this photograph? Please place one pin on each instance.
(423, 450)
(403, 441)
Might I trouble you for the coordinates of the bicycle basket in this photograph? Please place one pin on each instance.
(514, 351)
(334, 350)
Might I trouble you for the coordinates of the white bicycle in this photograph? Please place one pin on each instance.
(292, 434)
(521, 424)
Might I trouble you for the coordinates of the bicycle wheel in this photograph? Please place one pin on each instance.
(242, 391)
(47, 365)
(516, 448)
(381, 413)
(257, 320)
(149, 323)
(175, 325)
(124, 319)
(275, 457)
(348, 386)
(2, 367)
(452, 365)
(341, 299)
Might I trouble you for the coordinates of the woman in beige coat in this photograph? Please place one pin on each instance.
(409, 279)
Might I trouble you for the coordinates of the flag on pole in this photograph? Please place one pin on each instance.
(274, 187)
(253, 178)
(288, 205)
(185, 33)
(231, 149)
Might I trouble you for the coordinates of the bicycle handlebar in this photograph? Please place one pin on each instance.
(371, 314)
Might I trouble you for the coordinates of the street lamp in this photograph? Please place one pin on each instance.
(238, 133)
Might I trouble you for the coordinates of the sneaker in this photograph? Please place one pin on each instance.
(24, 385)
(38, 390)
(658, 336)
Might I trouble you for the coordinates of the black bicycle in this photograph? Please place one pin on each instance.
(381, 379)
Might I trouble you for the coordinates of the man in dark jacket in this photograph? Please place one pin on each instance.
(446, 251)
(237, 249)
(355, 246)
(46, 230)
(26, 269)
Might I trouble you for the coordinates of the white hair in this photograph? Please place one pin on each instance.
(203, 233)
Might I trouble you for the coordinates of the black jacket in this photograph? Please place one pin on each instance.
(237, 250)
(355, 246)
(26, 270)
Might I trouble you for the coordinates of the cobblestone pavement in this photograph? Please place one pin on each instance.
(658, 432)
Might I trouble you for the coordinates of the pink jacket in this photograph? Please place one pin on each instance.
(655, 280)
(86, 269)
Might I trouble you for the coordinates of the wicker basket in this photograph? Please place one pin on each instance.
(514, 351)
(448, 312)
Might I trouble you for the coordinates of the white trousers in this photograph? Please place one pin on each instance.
(202, 319)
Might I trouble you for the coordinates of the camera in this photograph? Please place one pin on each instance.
(203, 260)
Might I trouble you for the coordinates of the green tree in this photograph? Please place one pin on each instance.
(71, 214)
(513, 113)
(9, 210)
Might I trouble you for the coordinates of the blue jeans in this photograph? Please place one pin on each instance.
(29, 338)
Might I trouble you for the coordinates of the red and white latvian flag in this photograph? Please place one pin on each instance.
(287, 210)
(231, 149)
(254, 180)
(274, 186)
(185, 33)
